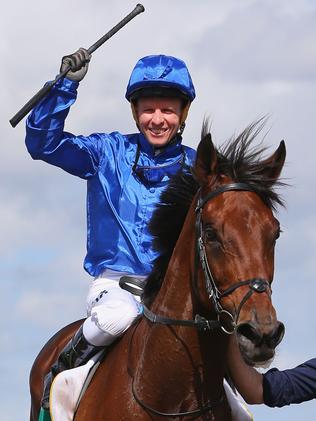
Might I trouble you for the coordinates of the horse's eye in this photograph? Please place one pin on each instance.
(278, 233)
(210, 234)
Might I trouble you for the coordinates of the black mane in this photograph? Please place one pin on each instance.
(237, 159)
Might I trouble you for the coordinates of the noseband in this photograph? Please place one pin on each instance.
(256, 285)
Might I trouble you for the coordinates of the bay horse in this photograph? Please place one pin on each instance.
(216, 233)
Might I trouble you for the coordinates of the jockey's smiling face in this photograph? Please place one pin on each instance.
(159, 118)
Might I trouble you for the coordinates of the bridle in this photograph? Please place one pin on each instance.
(256, 285)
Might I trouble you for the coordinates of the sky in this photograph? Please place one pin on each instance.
(247, 58)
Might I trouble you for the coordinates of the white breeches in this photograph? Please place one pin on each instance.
(110, 309)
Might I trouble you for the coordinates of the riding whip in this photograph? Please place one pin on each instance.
(48, 86)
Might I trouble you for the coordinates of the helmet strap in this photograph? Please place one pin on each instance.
(181, 128)
(184, 114)
(134, 112)
(184, 117)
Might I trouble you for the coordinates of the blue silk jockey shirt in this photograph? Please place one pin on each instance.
(120, 199)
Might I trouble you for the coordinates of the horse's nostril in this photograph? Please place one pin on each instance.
(271, 339)
(249, 332)
(277, 335)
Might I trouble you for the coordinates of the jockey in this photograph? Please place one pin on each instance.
(125, 176)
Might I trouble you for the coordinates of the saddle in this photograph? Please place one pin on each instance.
(70, 385)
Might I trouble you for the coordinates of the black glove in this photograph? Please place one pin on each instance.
(78, 62)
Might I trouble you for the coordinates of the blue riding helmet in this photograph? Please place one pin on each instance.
(160, 75)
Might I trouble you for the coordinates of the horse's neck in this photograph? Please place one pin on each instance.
(175, 296)
(190, 360)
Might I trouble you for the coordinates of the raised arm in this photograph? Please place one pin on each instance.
(45, 136)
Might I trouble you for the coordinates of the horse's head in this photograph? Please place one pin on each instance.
(236, 235)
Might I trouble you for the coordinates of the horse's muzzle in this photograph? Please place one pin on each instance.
(258, 345)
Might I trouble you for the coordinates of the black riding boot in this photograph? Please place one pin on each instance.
(77, 352)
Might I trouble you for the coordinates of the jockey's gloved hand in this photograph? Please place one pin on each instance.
(79, 62)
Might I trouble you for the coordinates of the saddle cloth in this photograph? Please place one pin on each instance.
(237, 405)
(69, 386)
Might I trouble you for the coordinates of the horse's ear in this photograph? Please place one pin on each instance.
(206, 160)
(271, 167)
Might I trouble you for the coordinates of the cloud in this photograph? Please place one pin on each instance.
(262, 42)
(46, 311)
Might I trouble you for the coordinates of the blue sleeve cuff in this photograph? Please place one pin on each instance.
(269, 386)
(67, 85)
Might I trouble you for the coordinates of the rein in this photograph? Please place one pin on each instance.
(199, 411)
